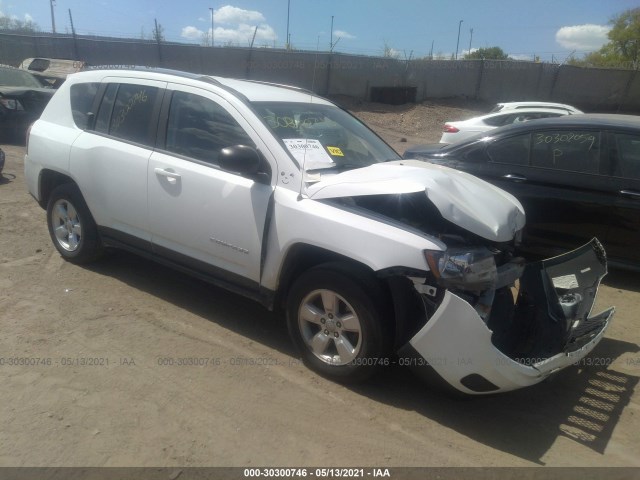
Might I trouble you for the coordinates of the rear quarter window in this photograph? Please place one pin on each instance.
(82, 97)
(627, 156)
(513, 150)
(127, 112)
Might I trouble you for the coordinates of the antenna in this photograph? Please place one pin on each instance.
(313, 83)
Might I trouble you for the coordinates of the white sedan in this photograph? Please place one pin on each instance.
(503, 107)
(455, 131)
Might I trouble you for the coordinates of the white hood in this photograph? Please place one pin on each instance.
(465, 200)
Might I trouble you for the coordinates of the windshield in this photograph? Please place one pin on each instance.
(12, 77)
(324, 137)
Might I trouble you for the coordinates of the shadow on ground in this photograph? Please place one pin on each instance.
(623, 279)
(583, 402)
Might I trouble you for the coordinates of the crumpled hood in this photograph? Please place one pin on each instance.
(465, 200)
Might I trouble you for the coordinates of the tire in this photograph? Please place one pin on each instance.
(338, 319)
(71, 226)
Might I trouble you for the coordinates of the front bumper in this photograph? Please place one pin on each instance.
(550, 329)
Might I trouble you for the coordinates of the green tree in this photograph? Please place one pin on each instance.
(13, 24)
(491, 53)
(623, 48)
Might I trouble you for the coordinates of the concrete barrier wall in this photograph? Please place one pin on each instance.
(332, 74)
(606, 87)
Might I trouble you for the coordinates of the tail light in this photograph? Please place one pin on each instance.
(27, 139)
(450, 128)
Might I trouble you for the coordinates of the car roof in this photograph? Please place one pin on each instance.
(593, 120)
(583, 120)
(525, 104)
(512, 112)
(251, 90)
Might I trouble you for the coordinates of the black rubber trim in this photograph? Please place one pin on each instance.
(477, 383)
(204, 271)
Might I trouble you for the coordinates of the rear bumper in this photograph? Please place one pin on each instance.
(555, 298)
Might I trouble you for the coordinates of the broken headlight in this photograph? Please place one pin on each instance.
(468, 269)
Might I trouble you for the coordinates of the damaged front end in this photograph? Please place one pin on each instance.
(485, 336)
(480, 317)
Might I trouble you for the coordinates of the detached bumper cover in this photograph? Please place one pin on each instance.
(551, 327)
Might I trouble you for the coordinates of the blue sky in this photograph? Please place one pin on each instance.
(546, 28)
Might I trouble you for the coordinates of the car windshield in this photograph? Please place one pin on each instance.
(324, 138)
(11, 77)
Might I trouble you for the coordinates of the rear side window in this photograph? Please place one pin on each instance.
(500, 120)
(512, 150)
(628, 156)
(132, 114)
(127, 112)
(199, 128)
(39, 64)
(574, 150)
(82, 96)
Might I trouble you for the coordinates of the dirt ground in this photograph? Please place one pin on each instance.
(86, 359)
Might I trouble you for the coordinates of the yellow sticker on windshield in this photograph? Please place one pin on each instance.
(335, 151)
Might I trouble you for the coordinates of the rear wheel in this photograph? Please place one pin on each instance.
(337, 319)
(71, 226)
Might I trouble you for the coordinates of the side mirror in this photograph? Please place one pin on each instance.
(239, 159)
(245, 161)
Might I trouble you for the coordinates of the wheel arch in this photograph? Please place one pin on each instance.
(48, 181)
(303, 256)
(406, 311)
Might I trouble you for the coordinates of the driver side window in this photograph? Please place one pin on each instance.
(199, 128)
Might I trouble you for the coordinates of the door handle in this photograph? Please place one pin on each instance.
(172, 177)
(630, 193)
(514, 178)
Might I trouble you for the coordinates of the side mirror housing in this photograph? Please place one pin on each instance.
(245, 161)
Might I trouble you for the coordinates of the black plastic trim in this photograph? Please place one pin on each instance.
(477, 383)
(196, 268)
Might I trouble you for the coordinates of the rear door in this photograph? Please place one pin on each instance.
(561, 178)
(624, 235)
(110, 161)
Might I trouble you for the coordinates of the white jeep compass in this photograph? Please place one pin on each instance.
(279, 195)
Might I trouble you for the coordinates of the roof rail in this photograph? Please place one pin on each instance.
(290, 87)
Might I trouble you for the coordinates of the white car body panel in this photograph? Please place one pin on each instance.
(456, 343)
(371, 242)
(473, 126)
(503, 107)
(192, 214)
(116, 200)
(463, 199)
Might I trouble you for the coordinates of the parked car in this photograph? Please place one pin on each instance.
(453, 132)
(52, 71)
(281, 196)
(22, 99)
(503, 107)
(577, 176)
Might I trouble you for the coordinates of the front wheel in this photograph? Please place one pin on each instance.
(337, 318)
(71, 226)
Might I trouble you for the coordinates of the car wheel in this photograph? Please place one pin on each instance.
(337, 318)
(71, 226)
